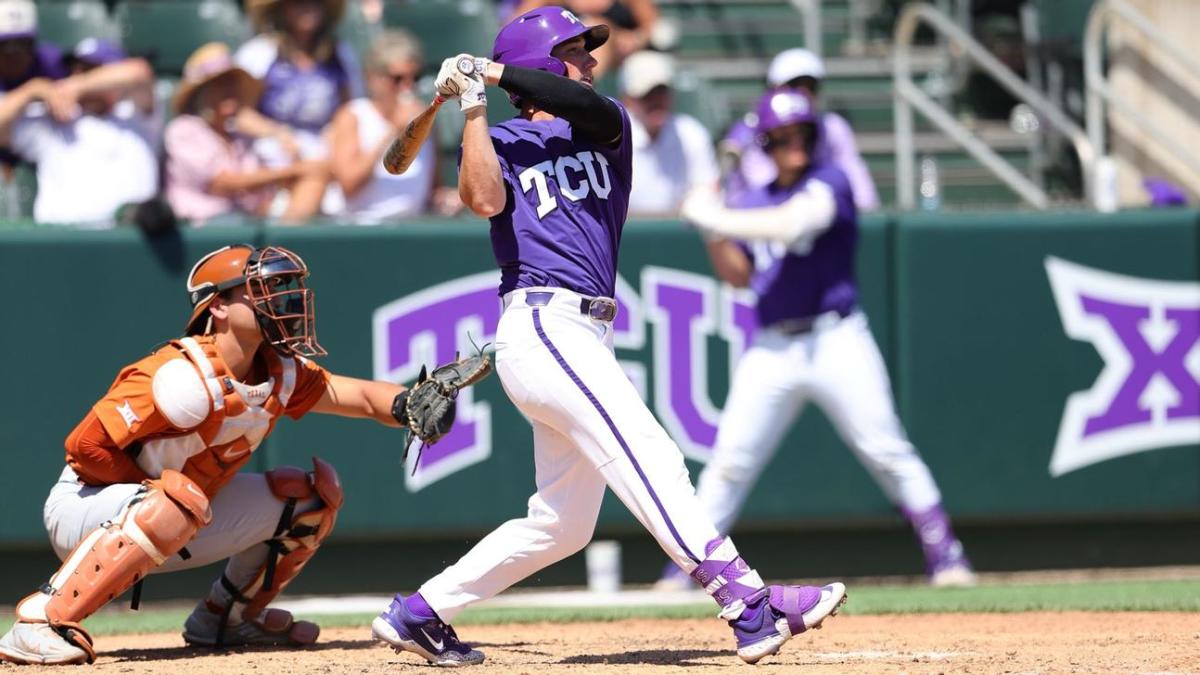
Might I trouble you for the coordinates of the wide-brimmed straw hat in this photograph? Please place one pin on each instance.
(208, 63)
(257, 10)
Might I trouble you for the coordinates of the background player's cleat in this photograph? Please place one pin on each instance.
(272, 627)
(39, 643)
(776, 613)
(953, 572)
(430, 639)
(674, 579)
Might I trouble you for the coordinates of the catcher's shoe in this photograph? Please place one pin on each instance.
(776, 613)
(204, 628)
(41, 643)
(430, 639)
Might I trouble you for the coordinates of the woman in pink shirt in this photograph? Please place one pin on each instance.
(211, 169)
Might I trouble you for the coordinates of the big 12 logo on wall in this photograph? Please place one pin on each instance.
(685, 309)
(1148, 394)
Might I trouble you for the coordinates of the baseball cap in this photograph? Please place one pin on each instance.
(644, 71)
(18, 19)
(97, 52)
(792, 63)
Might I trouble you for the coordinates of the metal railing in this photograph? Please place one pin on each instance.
(1099, 92)
(907, 96)
(811, 11)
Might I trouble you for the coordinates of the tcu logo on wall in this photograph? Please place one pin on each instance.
(1148, 394)
(685, 310)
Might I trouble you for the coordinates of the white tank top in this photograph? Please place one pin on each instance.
(384, 196)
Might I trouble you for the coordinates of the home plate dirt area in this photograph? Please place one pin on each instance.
(1036, 642)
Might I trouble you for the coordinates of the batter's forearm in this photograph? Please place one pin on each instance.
(480, 183)
(594, 115)
(730, 262)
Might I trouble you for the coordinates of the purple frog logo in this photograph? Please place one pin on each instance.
(1148, 394)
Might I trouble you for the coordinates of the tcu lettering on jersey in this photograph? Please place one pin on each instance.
(576, 176)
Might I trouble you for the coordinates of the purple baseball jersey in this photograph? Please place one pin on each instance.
(567, 200)
(813, 276)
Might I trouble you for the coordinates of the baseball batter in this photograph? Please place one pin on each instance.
(554, 182)
(152, 483)
(793, 241)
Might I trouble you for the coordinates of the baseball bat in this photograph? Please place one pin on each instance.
(401, 153)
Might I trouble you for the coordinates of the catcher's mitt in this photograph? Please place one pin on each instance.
(427, 410)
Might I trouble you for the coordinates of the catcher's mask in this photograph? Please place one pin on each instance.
(274, 280)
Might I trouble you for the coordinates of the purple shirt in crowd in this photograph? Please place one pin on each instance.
(814, 275)
(567, 200)
(835, 145)
(47, 62)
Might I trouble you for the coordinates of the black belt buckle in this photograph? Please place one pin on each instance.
(599, 309)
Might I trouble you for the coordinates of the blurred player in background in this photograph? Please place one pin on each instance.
(794, 242)
(672, 151)
(152, 481)
(555, 182)
(798, 70)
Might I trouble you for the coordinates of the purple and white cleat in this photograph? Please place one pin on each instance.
(776, 613)
(429, 638)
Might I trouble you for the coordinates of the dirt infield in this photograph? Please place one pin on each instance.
(1072, 642)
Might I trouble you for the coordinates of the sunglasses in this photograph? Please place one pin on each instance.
(400, 78)
(796, 136)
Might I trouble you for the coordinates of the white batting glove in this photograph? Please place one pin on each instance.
(451, 82)
(701, 207)
(474, 97)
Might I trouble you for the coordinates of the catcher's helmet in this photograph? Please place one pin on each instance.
(780, 108)
(274, 280)
(527, 40)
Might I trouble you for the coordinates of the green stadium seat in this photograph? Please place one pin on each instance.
(355, 30)
(66, 23)
(695, 96)
(17, 194)
(167, 31)
(445, 27)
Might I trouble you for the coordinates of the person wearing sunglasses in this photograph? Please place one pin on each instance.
(794, 242)
(364, 127)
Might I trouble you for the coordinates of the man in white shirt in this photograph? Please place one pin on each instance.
(672, 152)
(94, 136)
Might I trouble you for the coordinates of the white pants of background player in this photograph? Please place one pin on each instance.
(245, 514)
(590, 429)
(837, 366)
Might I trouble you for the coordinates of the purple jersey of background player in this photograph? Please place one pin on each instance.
(805, 280)
(567, 200)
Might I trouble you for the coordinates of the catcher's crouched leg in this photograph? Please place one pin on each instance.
(156, 524)
(240, 615)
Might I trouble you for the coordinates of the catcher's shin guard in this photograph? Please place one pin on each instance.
(296, 539)
(156, 524)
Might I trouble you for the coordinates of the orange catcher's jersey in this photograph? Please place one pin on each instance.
(180, 409)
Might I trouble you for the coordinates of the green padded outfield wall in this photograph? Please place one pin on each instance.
(963, 308)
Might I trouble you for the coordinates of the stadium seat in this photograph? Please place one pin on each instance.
(445, 27)
(17, 194)
(167, 31)
(355, 30)
(695, 96)
(66, 23)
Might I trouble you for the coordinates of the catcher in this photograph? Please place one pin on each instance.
(152, 484)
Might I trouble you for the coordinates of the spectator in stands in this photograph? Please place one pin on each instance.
(96, 145)
(364, 128)
(802, 70)
(672, 152)
(212, 170)
(307, 73)
(635, 25)
(22, 56)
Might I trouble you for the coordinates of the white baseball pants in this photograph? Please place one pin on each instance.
(840, 368)
(245, 514)
(590, 429)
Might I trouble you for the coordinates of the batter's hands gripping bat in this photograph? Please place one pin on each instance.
(401, 153)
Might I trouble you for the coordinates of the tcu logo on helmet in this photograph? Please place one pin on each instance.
(1148, 394)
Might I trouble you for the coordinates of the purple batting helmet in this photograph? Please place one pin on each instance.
(528, 39)
(781, 108)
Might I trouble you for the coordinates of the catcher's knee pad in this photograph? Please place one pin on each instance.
(162, 518)
(297, 537)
